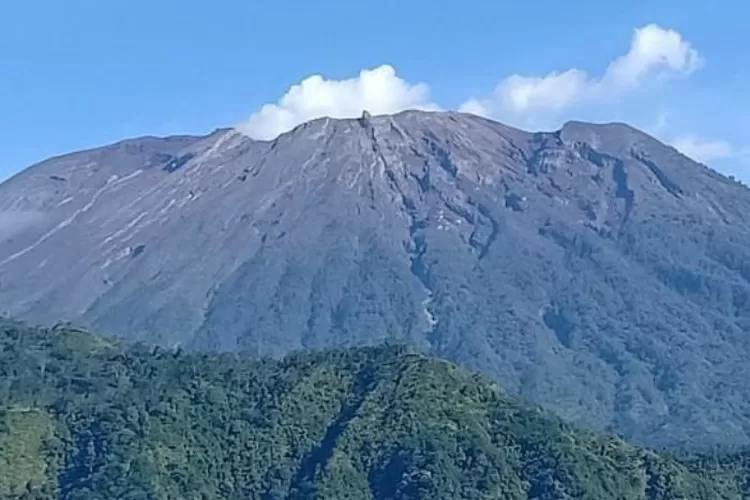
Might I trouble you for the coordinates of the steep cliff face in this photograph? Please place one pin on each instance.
(592, 269)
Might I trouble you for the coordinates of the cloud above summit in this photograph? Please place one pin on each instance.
(379, 91)
(655, 54)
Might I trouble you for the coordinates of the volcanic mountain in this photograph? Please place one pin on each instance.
(592, 269)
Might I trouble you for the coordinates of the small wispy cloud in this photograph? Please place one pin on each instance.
(379, 91)
(725, 156)
(704, 149)
(655, 54)
(15, 222)
(713, 151)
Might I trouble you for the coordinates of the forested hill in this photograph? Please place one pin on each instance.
(87, 418)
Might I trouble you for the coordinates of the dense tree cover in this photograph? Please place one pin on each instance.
(591, 269)
(82, 417)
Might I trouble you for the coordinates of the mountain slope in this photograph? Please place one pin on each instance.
(593, 269)
(82, 417)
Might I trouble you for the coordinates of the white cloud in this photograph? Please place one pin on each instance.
(662, 120)
(15, 222)
(379, 91)
(703, 149)
(718, 153)
(655, 53)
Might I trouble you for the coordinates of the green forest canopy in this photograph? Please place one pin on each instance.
(84, 417)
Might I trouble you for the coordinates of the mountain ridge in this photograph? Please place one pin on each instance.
(591, 269)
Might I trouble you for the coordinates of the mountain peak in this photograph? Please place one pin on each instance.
(606, 135)
(592, 269)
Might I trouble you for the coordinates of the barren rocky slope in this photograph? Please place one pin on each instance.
(593, 269)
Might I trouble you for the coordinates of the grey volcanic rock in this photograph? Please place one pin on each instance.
(593, 269)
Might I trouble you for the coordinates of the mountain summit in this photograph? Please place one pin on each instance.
(591, 269)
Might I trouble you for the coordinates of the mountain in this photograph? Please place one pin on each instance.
(592, 269)
(82, 417)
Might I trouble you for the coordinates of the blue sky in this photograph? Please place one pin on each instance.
(82, 73)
